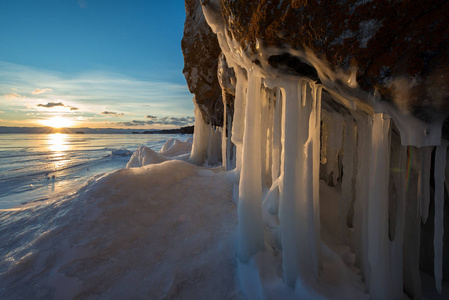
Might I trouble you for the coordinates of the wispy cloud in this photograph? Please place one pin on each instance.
(41, 91)
(57, 104)
(111, 113)
(11, 96)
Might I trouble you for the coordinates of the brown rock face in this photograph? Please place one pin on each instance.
(201, 51)
(383, 39)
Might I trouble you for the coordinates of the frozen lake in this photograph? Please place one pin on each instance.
(37, 167)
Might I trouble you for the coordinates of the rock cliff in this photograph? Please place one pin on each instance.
(398, 48)
(201, 51)
(352, 92)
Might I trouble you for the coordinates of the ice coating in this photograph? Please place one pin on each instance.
(206, 147)
(378, 175)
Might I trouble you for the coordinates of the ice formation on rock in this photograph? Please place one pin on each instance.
(286, 129)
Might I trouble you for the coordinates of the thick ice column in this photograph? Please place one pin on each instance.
(399, 170)
(348, 180)
(238, 125)
(424, 182)
(440, 170)
(314, 145)
(276, 154)
(224, 138)
(250, 235)
(214, 146)
(200, 139)
(230, 148)
(364, 132)
(299, 188)
(335, 142)
(378, 254)
(266, 132)
(412, 228)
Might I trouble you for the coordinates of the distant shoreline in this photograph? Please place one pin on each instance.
(47, 130)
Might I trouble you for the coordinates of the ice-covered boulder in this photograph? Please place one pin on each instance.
(175, 147)
(144, 156)
(172, 149)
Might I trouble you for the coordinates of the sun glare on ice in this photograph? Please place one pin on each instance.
(57, 142)
(58, 122)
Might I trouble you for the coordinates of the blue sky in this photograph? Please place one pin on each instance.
(99, 63)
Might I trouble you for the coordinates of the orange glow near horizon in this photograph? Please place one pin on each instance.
(58, 122)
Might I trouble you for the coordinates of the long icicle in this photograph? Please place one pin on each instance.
(440, 169)
(250, 237)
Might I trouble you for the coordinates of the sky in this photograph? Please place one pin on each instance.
(93, 63)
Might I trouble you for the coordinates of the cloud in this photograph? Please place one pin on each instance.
(173, 121)
(12, 96)
(111, 113)
(57, 104)
(93, 91)
(39, 91)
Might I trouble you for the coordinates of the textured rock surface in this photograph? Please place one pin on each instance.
(201, 51)
(383, 39)
(405, 40)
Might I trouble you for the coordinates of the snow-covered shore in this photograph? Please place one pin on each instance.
(161, 231)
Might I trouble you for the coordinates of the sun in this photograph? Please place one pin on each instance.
(58, 122)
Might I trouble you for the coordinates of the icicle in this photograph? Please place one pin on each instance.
(364, 132)
(424, 199)
(412, 228)
(440, 166)
(276, 156)
(347, 186)
(314, 135)
(378, 254)
(250, 236)
(200, 139)
(214, 156)
(230, 148)
(224, 139)
(299, 232)
(238, 125)
(399, 167)
(265, 137)
(335, 141)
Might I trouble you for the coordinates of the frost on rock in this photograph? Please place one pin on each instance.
(358, 229)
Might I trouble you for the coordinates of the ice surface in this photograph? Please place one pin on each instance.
(163, 231)
(122, 152)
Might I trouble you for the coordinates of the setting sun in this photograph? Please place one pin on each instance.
(58, 122)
